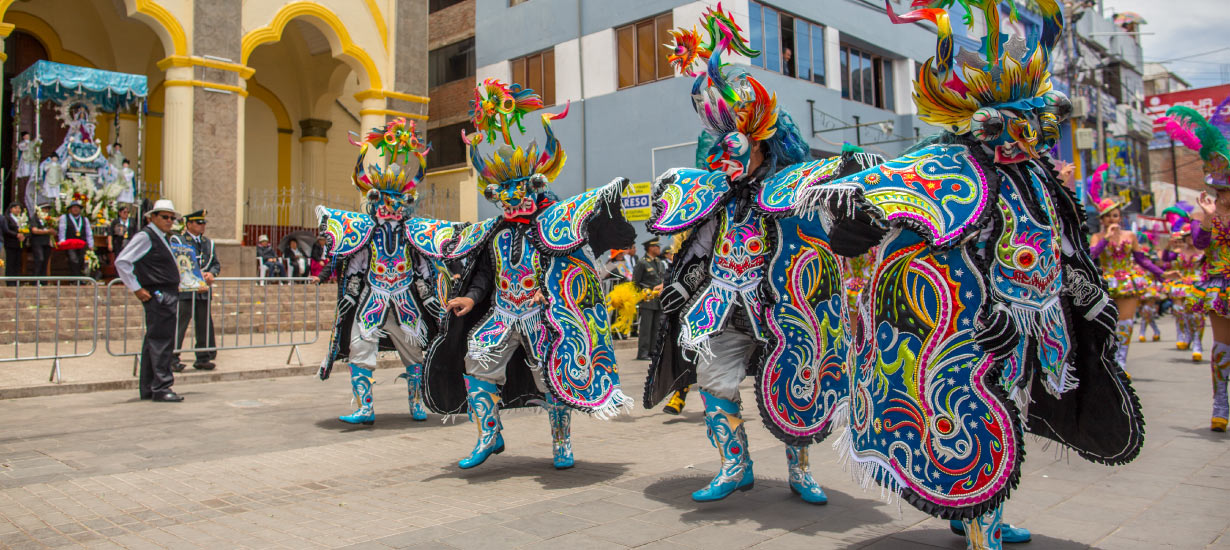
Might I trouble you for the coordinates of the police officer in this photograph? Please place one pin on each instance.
(148, 268)
(196, 305)
(649, 274)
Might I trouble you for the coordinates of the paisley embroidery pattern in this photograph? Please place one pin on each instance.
(390, 277)
(346, 232)
(580, 367)
(561, 226)
(804, 378)
(685, 196)
(922, 419)
(471, 237)
(778, 193)
(429, 236)
(940, 190)
(736, 272)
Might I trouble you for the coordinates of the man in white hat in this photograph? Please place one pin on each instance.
(147, 267)
(269, 257)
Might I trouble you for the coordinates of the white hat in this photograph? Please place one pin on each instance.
(262, 238)
(162, 205)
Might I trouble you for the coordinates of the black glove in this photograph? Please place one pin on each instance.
(673, 298)
(997, 334)
(853, 237)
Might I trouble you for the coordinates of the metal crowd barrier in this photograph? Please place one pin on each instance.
(245, 313)
(48, 318)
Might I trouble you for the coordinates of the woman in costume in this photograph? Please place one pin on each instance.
(1211, 234)
(1125, 267)
(1154, 293)
(386, 276)
(747, 279)
(1184, 265)
(528, 308)
(986, 314)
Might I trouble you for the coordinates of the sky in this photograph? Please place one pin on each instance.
(1197, 26)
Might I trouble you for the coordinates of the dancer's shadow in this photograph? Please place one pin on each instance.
(770, 506)
(1202, 432)
(499, 468)
(383, 422)
(939, 537)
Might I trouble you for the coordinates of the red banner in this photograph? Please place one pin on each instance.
(1200, 99)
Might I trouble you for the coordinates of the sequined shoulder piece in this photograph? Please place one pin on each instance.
(346, 231)
(564, 226)
(429, 236)
(780, 192)
(684, 196)
(471, 237)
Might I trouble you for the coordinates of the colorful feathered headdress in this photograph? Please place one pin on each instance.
(734, 107)
(497, 109)
(1179, 217)
(404, 154)
(1188, 126)
(1005, 72)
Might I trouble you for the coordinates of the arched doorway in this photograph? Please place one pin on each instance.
(299, 114)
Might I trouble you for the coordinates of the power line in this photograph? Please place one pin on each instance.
(1191, 56)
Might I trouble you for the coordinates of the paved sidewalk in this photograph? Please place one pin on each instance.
(265, 464)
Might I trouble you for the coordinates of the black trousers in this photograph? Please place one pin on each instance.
(648, 332)
(158, 350)
(76, 262)
(204, 327)
(12, 263)
(38, 260)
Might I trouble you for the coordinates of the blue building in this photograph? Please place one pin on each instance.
(832, 63)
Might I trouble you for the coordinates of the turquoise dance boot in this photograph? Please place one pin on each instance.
(989, 531)
(361, 385)
(561, 432)
(726, 432)
(801, 482)
(414, 386)
(484, 399)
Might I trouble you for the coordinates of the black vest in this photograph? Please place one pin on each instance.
(71, 231)
(157, 269)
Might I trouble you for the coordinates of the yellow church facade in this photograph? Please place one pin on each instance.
(251, 101)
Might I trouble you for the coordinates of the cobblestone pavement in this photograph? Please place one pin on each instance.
(265, 464)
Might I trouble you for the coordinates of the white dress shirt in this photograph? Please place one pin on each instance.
(134, 250)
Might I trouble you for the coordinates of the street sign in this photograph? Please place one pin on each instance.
(636, 201)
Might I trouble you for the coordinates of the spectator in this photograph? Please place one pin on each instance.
(268, 258)
(39, 242)
(123, 227)
(148, 268)
(196, 305)
(10, 227)
(75, 226)
(318, 256)
(649, 275)
(298, 260)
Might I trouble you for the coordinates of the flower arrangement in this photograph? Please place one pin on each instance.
(91, 261)
(23, 223)
(97, 204)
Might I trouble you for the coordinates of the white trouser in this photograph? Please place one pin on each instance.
(363, 350)
(720, 373)
(496, 371)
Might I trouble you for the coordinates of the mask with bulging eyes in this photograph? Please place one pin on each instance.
(517, 197)
(386, 206)
(731, 154)
(1021, 130)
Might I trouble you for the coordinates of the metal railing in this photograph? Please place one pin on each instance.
(245, 313)
(48, 318)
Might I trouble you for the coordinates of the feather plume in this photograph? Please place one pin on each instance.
(1180, 133)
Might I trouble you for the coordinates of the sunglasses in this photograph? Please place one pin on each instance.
(199, 222)
(166, 216)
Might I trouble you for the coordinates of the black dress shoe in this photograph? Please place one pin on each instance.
(642, 358)
(179, 367)
(207, 365)
(168, 397)
(147, 396)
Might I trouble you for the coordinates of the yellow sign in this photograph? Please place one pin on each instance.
(1146, 201)
(636, 201)
(1126, 195)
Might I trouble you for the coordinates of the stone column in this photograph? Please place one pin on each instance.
(176, 177)
(217, 130)
(315, 136)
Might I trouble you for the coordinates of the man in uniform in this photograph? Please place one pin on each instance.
(648, 276)
(147, 267)
(75, 226)
(196, 305)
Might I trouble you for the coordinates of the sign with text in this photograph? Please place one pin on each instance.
(1204, 100)
(636, 201)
